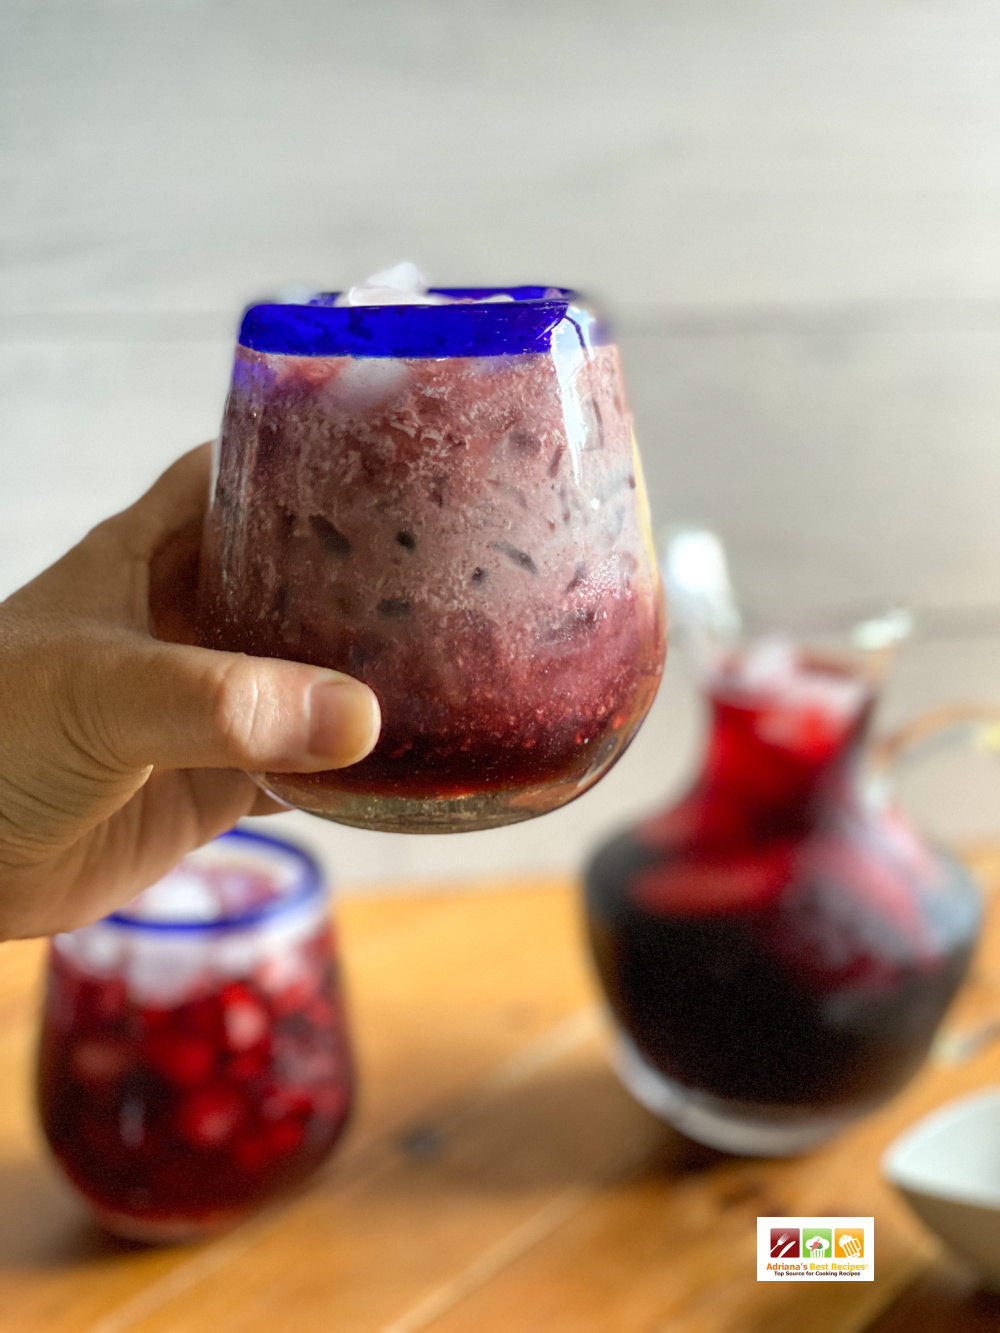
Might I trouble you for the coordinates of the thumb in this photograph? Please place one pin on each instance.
(139, 702)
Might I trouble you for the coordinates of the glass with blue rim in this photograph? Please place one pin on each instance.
(444, 500)
(194, 1060)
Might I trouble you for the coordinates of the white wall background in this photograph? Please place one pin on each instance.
(792, 209)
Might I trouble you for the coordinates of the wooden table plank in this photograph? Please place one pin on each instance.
(494, 972)
(946, 1298)
(676, 1250)
(496, 1170)
(362, 1255)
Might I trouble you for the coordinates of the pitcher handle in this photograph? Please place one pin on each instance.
(951, 724)
(936, 729)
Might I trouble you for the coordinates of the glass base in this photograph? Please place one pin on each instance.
(164, 1230)
(733, 1127)
(406, 814)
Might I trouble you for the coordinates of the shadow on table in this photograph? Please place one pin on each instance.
(560, 1128)
(945, 1299)
(43, 1224)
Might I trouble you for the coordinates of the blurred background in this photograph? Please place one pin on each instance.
(791, 209)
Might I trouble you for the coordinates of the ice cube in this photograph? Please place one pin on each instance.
(181, 896)
(97, 948)
(773, 668)
(238, 954)
(839, 697)
(161, 973)
(366, 382)
(403, 284)
(769, 665)
(404, 277)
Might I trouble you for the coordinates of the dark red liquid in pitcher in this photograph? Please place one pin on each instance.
(775, 939)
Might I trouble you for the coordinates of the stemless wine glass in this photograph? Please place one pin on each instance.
(194, 1059)
(444, 500)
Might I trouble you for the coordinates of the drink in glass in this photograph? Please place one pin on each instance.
(778, 947)
(445, 501)
(194, 1060)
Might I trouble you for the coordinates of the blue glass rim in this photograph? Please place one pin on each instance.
(312, 884)
(470, 327)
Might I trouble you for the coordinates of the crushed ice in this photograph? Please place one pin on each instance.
(182, 895)
(773, 668)
(404, 284)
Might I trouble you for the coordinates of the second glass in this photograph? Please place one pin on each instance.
(445, 501)
(194, 1061)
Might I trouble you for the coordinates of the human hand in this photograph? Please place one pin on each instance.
(119, 751)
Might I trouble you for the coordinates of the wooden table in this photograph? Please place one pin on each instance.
(496, 1176)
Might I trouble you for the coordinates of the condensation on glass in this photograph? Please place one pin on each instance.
(446, 502)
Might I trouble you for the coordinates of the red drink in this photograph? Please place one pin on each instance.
(777, 950)
(466, 534)
(190, 1071)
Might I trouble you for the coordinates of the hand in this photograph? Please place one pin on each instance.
(120, 752)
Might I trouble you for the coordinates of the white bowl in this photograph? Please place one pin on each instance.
(948, 1167)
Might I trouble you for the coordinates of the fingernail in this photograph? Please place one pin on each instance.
(344, 721)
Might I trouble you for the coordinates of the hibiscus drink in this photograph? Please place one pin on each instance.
(777, 948)
(445, 501)
(194, 1060)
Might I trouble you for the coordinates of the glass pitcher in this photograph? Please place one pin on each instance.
(778, 947)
